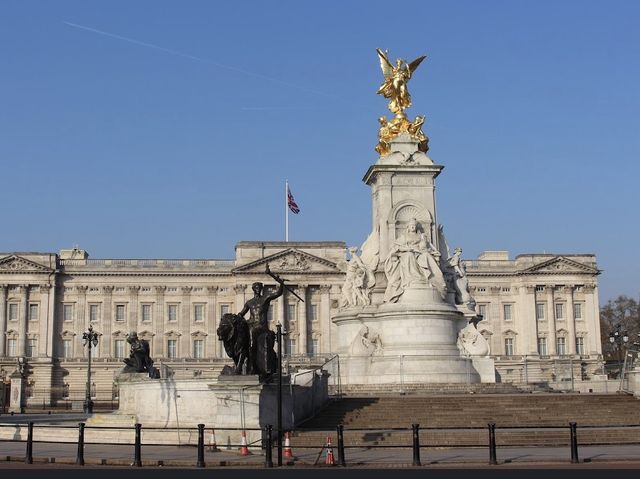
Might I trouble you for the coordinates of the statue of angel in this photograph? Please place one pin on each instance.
(395, 81)
(360, 274)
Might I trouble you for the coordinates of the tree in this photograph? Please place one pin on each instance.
(623, 311)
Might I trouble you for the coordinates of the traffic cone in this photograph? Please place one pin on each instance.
(213, 447)
(287, 446)
(244, 450)
(330, 460)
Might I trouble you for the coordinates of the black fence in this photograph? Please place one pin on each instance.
(197, 441)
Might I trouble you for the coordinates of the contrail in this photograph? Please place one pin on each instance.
(198, 59)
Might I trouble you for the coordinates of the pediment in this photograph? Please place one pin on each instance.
(18, 264)
(290, 261)
(561, 265)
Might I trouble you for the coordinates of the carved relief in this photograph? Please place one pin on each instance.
(366, 343)
(293, 262)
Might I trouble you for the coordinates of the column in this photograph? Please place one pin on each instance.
(529, 321)
(325, 319)
(280, 317)
(45, 330)
(571, 321)
(24, 319)
(52, 324)
(3, 319)
(302, 319)
(83, 317)
(212, 348)
(133, 312)
(107, 324)
(591, 318)
(184, 324)
(551, 319)
(158, 323)
(239, 289)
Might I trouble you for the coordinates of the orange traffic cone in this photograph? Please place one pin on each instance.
(287, 446)
(213, 447)
(244, 450)
(330, 459)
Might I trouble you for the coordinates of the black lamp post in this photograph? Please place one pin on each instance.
(90, 340)
(279, 335)
(620, 340)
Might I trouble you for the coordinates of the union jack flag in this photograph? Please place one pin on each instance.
(293, 206)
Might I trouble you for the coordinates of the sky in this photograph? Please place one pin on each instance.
(156, 129)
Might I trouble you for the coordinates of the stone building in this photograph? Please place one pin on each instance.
(540, 311)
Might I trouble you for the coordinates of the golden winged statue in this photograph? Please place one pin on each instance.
(395, 82)
(395, 89)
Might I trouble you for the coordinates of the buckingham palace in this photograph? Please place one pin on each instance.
(539, 311)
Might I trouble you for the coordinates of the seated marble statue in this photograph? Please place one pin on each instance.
(412, 261)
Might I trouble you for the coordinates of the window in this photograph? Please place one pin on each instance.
(32, 347)
(506, 289)
(172, 348)
(508, 346)
(539, 289)
(146, 313)
(313, 312)
(506, 310)
(67, 348)
(540, 311)
(270, 312)
(313, 347)
(542, 346)
(577, 311)
(118, 348)
(483, 310)
(94, 312)
(560, 347)
(291, 311)
(482, 290)
(33, 312)
(12, 347)
(559, 311)
(290, 347)
(67, 312)
(13, 311)
(225, 309)
(198, 312)
(120, 312)
(172, 312)
(580, 346)
(198, 348)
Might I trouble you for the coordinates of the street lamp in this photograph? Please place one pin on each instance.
(619, 339)
(279, 335)
(90, 340)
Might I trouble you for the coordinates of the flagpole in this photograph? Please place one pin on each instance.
(286, 210)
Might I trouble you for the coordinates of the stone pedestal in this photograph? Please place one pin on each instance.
(17, 400)
(235, 402)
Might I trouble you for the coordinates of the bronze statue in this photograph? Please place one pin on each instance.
(251, 343)
(139, 360)
(234, 333)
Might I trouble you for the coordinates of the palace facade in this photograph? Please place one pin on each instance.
(540, 312)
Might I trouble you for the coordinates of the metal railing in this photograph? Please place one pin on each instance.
(422, 442)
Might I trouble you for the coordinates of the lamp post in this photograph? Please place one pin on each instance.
(90, 340)
(619, 339)
(279, 335)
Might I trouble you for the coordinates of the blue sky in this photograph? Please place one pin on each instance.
(170, 133)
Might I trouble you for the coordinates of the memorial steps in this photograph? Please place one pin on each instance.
(533, 419)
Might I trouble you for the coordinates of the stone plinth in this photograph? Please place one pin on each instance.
(416, 344)
(229, 404)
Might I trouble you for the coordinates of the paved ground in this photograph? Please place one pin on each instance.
(13, 453)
